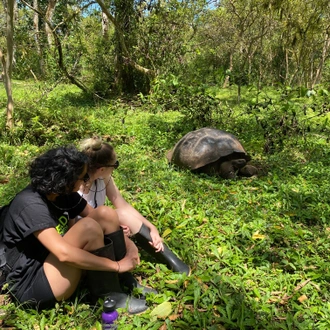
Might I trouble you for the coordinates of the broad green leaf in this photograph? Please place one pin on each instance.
(167, 232)
(163, 310)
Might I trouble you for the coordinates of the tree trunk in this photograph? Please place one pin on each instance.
(226, 82)
(318, 74)
(37, 37)
(124, 73)
(8, 62)
(105, 27)
(123, 53)
(287, 74)
(49, 18)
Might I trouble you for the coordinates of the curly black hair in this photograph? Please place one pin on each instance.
(57, 170)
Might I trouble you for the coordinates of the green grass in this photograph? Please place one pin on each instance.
(258, 247)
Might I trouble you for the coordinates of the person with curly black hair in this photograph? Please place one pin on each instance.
(45, 256)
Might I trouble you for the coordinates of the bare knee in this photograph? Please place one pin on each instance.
(106, 217)
(104, 212)
(86, 234)
(91, 227)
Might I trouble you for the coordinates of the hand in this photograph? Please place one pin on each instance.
(126, 230)
(132, 251)
(131, 259)
(157, 241)
(127, 264)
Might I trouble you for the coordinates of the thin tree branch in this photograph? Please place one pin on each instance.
(127, 57)
(58, 46)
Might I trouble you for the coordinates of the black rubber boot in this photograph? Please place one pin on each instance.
(106, 284)
(127, 279)
(166, 257)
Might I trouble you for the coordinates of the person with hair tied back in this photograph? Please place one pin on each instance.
(45, 257)
(102, 162)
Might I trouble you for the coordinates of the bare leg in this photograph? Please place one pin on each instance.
(107, 218)
(133, 220)
(86, 234)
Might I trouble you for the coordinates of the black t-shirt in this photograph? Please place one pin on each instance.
(28, 213)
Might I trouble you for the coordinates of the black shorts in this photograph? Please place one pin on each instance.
(39, 295)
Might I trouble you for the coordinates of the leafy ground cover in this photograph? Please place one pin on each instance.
(258, 247)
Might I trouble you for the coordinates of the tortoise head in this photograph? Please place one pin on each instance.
(228, 169)
(238, 163)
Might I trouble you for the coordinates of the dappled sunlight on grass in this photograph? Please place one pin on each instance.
(258, 247)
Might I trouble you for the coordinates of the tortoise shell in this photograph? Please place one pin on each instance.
(205, 146)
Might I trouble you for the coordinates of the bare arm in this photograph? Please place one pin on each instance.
(130, 217)
(78, 257)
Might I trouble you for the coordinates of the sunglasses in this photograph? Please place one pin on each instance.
(85, 178)
(115, 165)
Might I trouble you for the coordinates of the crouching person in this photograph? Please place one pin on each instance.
(46, 258)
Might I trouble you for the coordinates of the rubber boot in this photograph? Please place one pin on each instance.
(106, 284)
(127, 279)
(166, 257)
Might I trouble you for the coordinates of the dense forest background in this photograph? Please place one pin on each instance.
(173, 54)
(108, 47)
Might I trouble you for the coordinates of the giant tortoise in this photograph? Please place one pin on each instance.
(212, 151)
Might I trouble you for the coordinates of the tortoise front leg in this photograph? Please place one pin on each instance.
(248, 171)
(227, 170)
